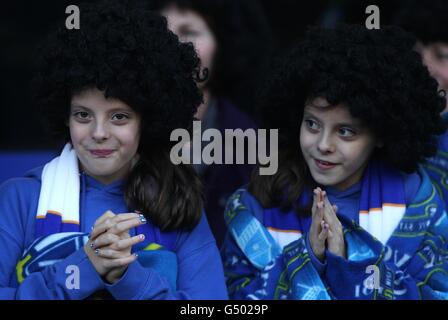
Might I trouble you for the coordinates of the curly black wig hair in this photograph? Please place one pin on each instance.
(244, 41)
(425, 19)
(130, 55)
(376, 74)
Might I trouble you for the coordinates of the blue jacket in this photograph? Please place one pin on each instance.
(199, 274)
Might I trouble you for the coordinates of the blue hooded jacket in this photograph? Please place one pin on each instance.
(199, 267)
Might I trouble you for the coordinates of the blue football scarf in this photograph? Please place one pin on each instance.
(288, 273)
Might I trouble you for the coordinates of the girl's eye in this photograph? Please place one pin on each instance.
(120, 117)
(442, 56)
(190, 33)
(346, 132)
(188, 38)
(311, 124)
(82, 115)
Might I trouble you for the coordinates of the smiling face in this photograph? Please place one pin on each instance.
(190, 26)
(335, 146)
(105, 134)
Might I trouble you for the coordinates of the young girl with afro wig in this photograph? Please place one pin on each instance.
(351, 212)
(112, 216)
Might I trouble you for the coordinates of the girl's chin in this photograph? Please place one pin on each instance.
(324, 181)
(101, 172)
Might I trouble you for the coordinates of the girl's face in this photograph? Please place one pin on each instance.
(105, 134)
(335, 145)
(189, 26)
(435, 57)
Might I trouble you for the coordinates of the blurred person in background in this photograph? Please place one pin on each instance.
(427, 21)
(233, 41)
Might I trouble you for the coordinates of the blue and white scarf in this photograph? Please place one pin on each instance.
(288, 273)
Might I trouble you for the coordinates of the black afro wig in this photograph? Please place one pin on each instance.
(376, 73)
(128, 53)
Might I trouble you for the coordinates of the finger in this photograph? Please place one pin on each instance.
(320, 211)
(115, 217)
(109, 245)
(315, 214)
(328, 204)
(107, 215)
(318, 217)
(335, 236)
(101, 228)
(127, 225)
(319, 194)
(108, 253)
(329, 214)
(124, 235)
(323, 224)
(121, 262)
(324, 233)
(126, 216)
(314, 206)
(118, 225)
(128, 243)
(336, 244)
(103, 240)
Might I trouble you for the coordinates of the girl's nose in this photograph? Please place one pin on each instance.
(325, 144)
(100, 132)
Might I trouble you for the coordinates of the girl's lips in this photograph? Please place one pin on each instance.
(101, 153)
(324, 165)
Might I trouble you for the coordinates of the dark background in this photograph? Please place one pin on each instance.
(23, 24)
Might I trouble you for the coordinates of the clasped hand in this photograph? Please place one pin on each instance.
(326, 230)
(109, 246)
